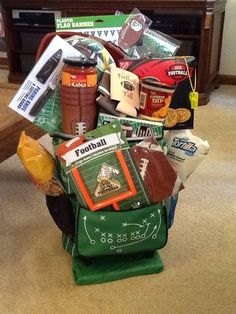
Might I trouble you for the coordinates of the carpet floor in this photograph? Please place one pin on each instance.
(199, 258)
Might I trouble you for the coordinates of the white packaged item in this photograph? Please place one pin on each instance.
(185, 152)
(43, 79)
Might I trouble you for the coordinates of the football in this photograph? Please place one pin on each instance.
(132, 31)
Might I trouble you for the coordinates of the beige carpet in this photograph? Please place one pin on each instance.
(199, 259)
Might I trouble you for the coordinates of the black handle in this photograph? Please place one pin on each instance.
(34, 111)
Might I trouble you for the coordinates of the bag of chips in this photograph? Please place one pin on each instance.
(39, 163)
(185, 152)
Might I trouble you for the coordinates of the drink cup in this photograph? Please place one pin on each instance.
(79, 110)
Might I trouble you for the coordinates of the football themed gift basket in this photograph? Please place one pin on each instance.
(118, 106)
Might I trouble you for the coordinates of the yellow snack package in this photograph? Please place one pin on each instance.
(36, 159)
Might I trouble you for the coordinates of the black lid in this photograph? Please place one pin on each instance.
(79, 61)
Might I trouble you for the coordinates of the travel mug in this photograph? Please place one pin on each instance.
(78, 95)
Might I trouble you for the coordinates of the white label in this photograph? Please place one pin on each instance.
(93, 146)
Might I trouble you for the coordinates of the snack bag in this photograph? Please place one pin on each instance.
(185, 152)
(39, 163)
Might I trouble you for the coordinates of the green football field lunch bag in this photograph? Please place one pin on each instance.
(110, 245)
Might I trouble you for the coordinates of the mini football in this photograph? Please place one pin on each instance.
(132, 31)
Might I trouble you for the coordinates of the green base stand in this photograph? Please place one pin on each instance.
(106, 269)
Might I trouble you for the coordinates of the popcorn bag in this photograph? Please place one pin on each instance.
(105, 88)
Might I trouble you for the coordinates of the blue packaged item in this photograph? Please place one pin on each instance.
(170, 204)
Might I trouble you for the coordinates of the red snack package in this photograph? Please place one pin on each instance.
(160, 179)
(170, 71)
(176, 73)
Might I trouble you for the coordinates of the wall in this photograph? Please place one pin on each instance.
(228, 53)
